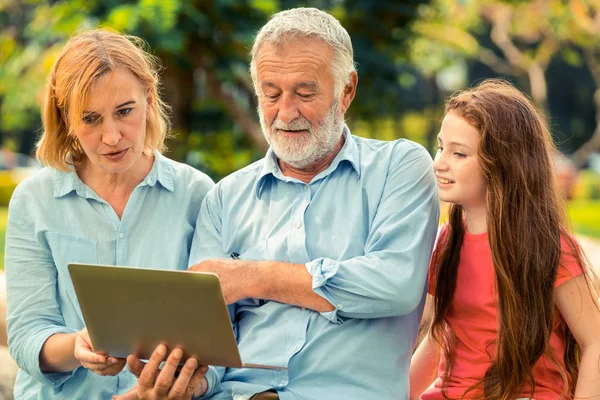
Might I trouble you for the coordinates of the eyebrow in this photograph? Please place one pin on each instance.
(457, 144)
(119, 106)
(307, 85)
(300, 85)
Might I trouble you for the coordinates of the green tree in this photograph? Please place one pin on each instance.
(516, 39)
(204, 46)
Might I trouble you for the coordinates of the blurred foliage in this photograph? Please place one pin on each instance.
(204, 47)
(410, 55)
(584, 215)
(587, 186)
(3, 221)
(7, 185)
(548, 48)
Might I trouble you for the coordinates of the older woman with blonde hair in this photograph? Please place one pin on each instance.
(107, 196)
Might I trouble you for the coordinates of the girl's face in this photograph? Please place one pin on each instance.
(456, 164)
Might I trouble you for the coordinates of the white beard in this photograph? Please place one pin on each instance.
(306, 148)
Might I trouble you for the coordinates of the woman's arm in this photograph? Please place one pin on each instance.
(57, 353)
(581, 310)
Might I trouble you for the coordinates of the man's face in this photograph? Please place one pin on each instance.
(300, 117)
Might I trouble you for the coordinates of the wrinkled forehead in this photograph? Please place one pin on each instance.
(300, 58)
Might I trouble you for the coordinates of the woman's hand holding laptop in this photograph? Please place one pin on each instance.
(98, 363)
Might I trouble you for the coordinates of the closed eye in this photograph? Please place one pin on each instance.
(271, 95)
(460, 155)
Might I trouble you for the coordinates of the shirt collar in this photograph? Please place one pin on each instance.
(348, 152)
(162, 172)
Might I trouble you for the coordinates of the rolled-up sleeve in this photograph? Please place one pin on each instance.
(33, 313)
(390, 278)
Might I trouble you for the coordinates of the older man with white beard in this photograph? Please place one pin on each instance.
(334, 232)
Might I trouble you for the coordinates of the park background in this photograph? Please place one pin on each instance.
(410, 56)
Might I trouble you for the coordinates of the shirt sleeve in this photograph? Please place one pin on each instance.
(568, 267)
(390, 278)
(33, 312)
(206, 244)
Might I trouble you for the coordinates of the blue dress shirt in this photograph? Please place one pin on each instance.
(55, 219)
(364, 228)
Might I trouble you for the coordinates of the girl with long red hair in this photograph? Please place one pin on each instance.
(515, 310)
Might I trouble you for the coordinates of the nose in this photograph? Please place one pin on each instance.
(439, 162)
(288, 109)
(110, 132)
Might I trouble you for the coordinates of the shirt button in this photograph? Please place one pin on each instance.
(299, 225)
(339, 306)
(121, 235)
(305, 187)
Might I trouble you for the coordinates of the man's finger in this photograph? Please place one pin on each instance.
(196, 380)
(165, 378)
(183, 381)
(135, 365)
(148, 373)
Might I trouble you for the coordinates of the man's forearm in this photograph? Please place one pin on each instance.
(285, 283)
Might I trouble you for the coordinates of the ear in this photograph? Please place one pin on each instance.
(349, 91)
(149, 100)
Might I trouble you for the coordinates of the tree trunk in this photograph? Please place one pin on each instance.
(582, 154)
(244, 120)
(178, 88)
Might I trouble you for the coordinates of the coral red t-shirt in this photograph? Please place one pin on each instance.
(473, 320)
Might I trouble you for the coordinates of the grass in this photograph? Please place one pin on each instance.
(585, 218)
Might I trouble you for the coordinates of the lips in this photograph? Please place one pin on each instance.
(291, 132)
(114, 155)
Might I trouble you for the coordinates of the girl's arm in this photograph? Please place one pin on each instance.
(424, 362)
(581, 311)
(423, 367)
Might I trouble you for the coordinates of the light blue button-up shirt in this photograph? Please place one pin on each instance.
(55, 219)
(364, 228)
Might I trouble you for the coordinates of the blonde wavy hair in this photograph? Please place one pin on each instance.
(86, 57)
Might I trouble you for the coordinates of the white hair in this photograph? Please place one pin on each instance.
(308, 23)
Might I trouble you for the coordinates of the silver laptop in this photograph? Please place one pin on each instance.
(131, 310)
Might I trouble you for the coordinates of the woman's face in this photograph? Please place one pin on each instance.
(456, 165)
(112, 131)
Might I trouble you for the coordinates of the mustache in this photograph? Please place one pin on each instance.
(299, 124)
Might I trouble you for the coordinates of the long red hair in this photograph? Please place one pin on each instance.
(525, 223)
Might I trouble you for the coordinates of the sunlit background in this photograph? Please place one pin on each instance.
(410, 56)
